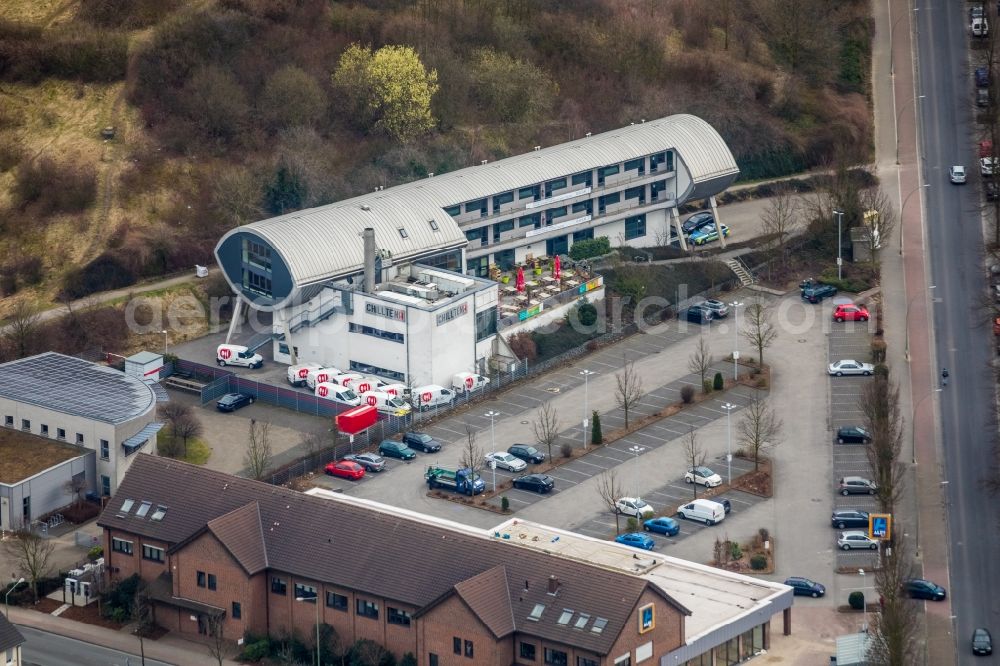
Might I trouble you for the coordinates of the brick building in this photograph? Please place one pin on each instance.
(266, 559)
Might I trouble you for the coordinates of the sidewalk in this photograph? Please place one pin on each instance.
(170, 649)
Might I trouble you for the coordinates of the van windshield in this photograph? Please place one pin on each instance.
(395, 402)
(246, 354)
(348, 394)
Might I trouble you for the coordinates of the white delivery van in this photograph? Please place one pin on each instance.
(297, 373)
(366, 384)
(336, 393)
(386, 404)
(468, 381)
(704, 510)
(317, 376)
(431, 395)
(237, 355)
(401, 390)
(348, 379)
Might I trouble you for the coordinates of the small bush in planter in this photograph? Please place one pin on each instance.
(735, 552)
(762, 382)
(505, 503)
(95, 553)
(596, 436)
(706, 386)
(632, 524)
(566, 450)
(687, 394)
(758, 562)
(718, 383)
(856, 600)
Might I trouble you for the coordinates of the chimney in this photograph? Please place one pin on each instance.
(553, 585)
(369, 236)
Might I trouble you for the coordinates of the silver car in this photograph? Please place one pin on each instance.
(957, 174)
(372, 462)
(855, 539)
(849, 367)
(718, 308)
(505, 461)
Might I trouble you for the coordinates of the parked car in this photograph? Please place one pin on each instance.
(664, 525)
(702, 510)
(849, 367)
(539, 483)
(636, 540)
(370, 461)
(816, 292)
(980, 27)
(421, 442)
(982, 97)
(703, 476)
(527, 453)
(698, 314)
(853, 435)
(982, 77)
(726, 504)
(233, 401)
(982, 642)
(697, 221)
(856, 539)
(987, 165)
(850, 312)
(718, 308)
(391, 449)
(803, 587)
(843, 518)
(957, 173)
(634, 506)
(856, 485)
(505, 461)
(345, 469)
(919, 588)
(708, 234)
(991, 190)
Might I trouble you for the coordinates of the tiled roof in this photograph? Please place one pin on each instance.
(309, 536)
(241, 532)
(488, 595)
(10, 637)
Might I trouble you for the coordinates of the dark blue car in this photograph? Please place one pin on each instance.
(803, 587)
(636, 540)
(663, 525)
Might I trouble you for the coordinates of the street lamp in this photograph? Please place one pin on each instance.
(13, 587)
(729, 407)
(164, 342)
(736, 305)
(840, 244)
(586, 403)
(906, 332)
(492, 414)
(636, 450)
(906, 200)
(315, 599)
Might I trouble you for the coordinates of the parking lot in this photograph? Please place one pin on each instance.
(849, 340)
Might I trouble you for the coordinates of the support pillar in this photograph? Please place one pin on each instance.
(786, 622)
(287, 330)
(234, 323)
(676, 218)
(718, 224)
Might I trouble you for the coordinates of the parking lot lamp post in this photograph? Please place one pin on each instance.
(729, 445)
(164, 342)
(636, 450)
(864, 604)
(314, 597)
(492, 414)
(586, 403)
(6, 598)
(840, 244)
(736, 305)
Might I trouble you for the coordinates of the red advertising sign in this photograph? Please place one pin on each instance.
(225, 353)
(468, 382)
(323, 391)
(303, 373)
(322, 377)
(425, 397)
(364, 387)
(347, 381)
(391, 391)
(372, 400)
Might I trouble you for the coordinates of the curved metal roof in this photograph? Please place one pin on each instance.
(324, 242)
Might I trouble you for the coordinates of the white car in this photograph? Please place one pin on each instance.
(703, 476)
(841, 368)
(988, 166)
(957, 174)
(855, 539)
(980, 27)
(634, 506)
(506, 461)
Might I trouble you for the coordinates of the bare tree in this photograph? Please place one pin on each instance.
(258, 454)
(694, 455)
(218, 646)
(546, 427)
(879, 219)
(473, 456)
(22, 328)
(760, 427)
(187, 428)
(628, 388)
(610, 490)
(879, 402)
(30, 553)
(142, 615)
(779, 218)
(76, 487)
(700, 361)
(758, 329)
(895, 626)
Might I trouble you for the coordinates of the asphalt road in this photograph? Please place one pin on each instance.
(42, 648)
(954, 245)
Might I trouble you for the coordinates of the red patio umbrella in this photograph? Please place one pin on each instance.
(556, 266)
(519, 283)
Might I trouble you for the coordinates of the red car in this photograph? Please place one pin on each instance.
(345, 469)
(850, 312)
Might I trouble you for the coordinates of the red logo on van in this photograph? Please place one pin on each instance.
(346, 381)
(425, 397)
(372, 400)
(468, 382)
(322, 377)
(303, 373)
(391, 391)
(323, 390)
(225, 353)
(364, 387)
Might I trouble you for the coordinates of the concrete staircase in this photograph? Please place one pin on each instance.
(741, 270)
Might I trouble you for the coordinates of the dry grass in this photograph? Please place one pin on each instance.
(22, 455)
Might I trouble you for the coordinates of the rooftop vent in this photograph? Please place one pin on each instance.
(553, 585)
(366, 206)
(589, 133)
(538, 147)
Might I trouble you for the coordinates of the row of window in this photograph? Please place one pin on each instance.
(553, 657)
(254, 281)
(43, 430)
(151, 553)
(663, 161)
(257, 253)
(369, 369)
(376, 332)
(363, 607)
(206, 580)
